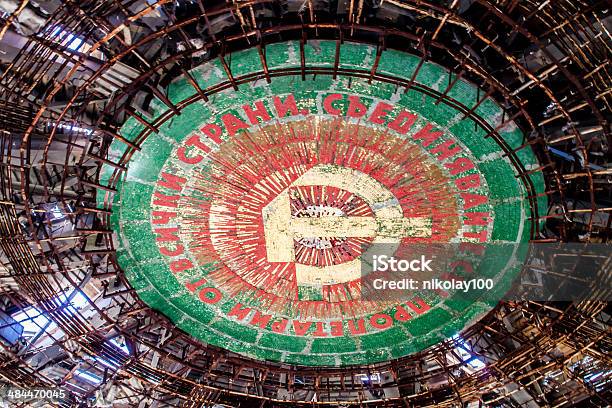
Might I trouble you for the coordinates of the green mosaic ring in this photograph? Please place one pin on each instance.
(243, 219)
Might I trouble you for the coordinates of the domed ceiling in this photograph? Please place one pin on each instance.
(191, 193)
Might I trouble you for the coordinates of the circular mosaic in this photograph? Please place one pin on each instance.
(245, 219)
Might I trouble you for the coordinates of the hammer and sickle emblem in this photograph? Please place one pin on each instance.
(388, 225)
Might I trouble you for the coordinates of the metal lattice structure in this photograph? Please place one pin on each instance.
(73, 72)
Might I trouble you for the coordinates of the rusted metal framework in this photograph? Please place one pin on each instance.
(72, 72)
